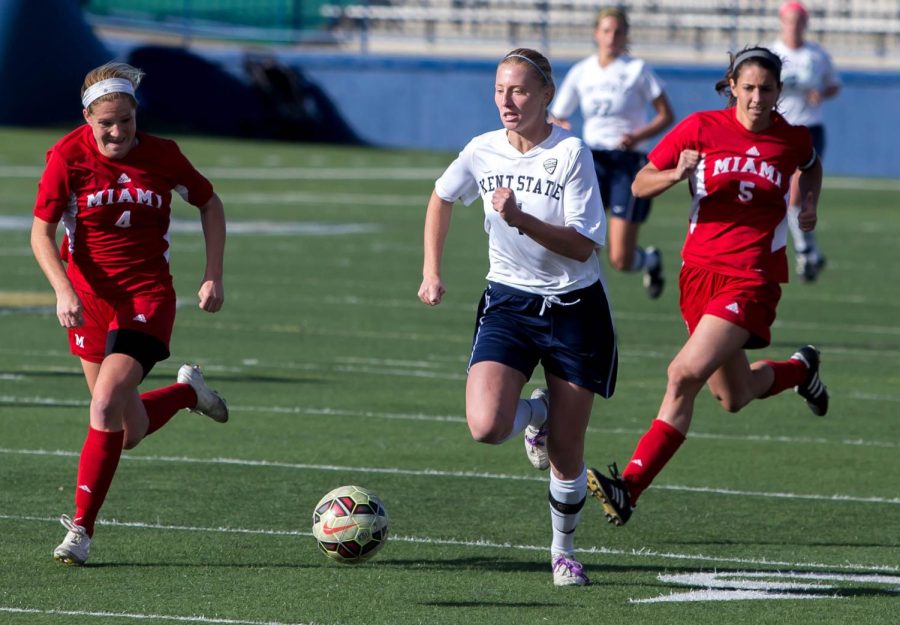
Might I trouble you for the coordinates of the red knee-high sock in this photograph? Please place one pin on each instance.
(96, 468)
(653, 451)
(788, 374)
(162, 404)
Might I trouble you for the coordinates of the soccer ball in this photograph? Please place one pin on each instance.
(350, 524)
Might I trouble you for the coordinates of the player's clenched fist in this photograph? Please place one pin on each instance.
(504, 202)
(687, 162)
(431, 291)
(808, 217)
(69, 309)
(211, 296)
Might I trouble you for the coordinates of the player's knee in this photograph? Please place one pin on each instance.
(683, 379)
(106, 412)
(730, 403)
(486, 428)
(736, 399)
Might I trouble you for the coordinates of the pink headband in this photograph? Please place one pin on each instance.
(789, 7)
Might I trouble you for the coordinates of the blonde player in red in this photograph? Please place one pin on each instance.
(738, 162)
(112, 186)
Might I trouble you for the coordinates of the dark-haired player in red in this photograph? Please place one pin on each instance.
(112, 186)
(739, 163)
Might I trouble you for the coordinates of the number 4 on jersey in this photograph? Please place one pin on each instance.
(124, 220)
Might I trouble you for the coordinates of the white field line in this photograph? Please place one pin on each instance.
(303, 330)
(443, 473)
(403, 173)
(620, 316)
(239, 226)
(312, 197)
(280, 173)
(637, 351)
(455, 364)
(641, 552)
(137, 616)
(824, 329)
(12, 400)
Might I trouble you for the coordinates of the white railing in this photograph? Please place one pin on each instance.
(862, 27)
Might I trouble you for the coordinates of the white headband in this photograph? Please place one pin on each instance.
(110, 85)
(533, 64)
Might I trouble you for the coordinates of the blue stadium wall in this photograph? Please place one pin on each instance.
(438, 103)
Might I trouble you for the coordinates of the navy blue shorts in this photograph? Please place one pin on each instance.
(616, 170)
(571, 335)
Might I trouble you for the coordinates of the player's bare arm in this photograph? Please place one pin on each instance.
(563, 240)
(43, 245)
(651, 181)
(809, 187)
(437, 224)
(662, 119)
(212, 289)
(816, 97)
(560, 121)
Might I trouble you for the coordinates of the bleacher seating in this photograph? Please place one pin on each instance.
(852, 27)
(863, 31)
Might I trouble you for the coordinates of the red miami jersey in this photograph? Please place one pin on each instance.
(116, 212)
(739, 191)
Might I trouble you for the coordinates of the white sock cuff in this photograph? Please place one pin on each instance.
(538, 412)
(523, 418)
(569, 491)
(640, 259)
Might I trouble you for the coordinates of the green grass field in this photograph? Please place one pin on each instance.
(336, 374)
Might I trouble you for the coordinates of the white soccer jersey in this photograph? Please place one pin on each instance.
(613, 99)
(555, 182)
(807, 67)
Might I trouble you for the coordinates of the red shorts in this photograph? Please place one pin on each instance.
(149, 313)
(744, 302)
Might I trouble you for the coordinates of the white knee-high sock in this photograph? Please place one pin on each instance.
(528, 412)
(566, 500)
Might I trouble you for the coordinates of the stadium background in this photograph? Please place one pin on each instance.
(412, 74)
(336, 374)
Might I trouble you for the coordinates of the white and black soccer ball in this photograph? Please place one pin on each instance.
(350, 524)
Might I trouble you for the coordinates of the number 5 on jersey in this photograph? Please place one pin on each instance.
(745, 192)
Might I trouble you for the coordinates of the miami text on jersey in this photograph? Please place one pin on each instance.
(747, 165)
(124, 196)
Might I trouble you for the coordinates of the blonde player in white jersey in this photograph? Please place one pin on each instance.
(545, 300)
(809, 78)
(614, 91)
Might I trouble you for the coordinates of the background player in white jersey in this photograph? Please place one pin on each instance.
(809, 79)
(545, 301)
(615, 91)
(112, 186)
